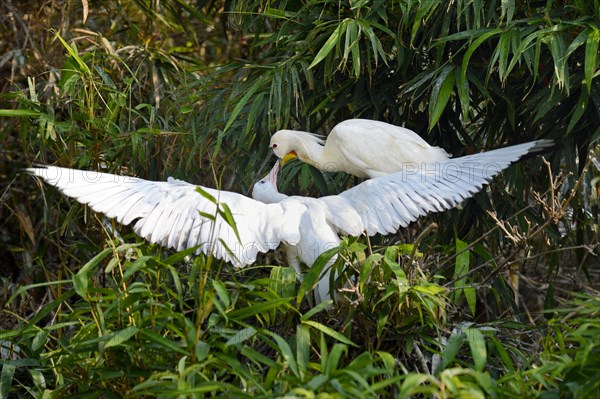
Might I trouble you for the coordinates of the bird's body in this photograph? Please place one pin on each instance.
(174, 214)
(318, 232)
(361, 147)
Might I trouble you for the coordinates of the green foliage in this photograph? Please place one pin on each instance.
(569, 365)
(194, 90)
(162, 330)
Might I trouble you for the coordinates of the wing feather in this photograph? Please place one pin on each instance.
(168, 213)
(386, 203)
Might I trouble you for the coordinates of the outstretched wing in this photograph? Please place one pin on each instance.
(174, 214)
(384, 204)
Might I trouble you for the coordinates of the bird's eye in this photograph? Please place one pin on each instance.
(274, 145)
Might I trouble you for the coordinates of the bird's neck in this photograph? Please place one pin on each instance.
(317, 155)
(275, 198)
(268, 196)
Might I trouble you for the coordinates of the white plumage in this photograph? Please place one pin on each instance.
(361, 147)
(174, 214)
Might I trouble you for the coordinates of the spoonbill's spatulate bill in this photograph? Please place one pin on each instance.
(361, 147)
(173, 213)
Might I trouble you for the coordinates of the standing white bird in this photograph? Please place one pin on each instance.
(361, 147)
(316, 236)
(181, 215)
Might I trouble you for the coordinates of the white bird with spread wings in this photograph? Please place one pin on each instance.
(236, 228)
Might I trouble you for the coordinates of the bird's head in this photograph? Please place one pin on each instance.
(265, 190)
(282, 144)
(290, 144)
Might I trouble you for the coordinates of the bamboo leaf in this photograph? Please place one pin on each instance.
(476, 43)
(349, 38)
(260, 358)
(334, 357)
(329, 45)
(258, 308)
(579, 109)
(478, 349)
(317, 382)
(81, 278)
(477, 7)
(471, 297)
(416, 383)
(227, 215)
(73, 52)
(39, 340)
(556, 44)
(354, 32)
(461, 267)
(549, 302)
(241, 336)
(282, 280)
(506, 360)
(286, 352)
(591, 57)
(315, 272)
(222, 293)
(6, 379)
(302, 348)
(19, 112)
(453, 345)
(523, 51)
(508, 10)
(316, 309)
(206, 194)
(440, 94)
(366, 268)
(163, 342)
(430, 289)
(376, 46)
(501, 55)
(581, 38)
(118, 337)
(136, 265)
(329, 331)
(360, 379)
(463, 93)
(240, 104)
(179, 256)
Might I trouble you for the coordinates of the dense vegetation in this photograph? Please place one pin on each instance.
(496, 299)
